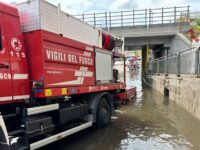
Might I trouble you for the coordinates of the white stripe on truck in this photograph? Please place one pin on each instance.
(20, 76)
(6, 98)
(21, 97)
(16, 97)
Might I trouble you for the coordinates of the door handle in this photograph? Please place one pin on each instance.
(4, 66)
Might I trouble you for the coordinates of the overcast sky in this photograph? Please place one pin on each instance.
(87, 6)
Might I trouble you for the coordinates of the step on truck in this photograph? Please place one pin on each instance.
(56, 75)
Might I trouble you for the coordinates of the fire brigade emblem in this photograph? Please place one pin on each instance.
(16, 44)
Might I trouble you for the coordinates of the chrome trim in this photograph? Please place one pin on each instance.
(59, 136)
(42, 109)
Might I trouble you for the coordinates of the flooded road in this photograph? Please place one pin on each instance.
(150, 122)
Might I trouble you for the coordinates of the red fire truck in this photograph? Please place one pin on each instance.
(56, 75)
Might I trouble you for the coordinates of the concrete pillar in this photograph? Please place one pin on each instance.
(145, 50)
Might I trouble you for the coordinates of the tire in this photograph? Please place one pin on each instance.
(103, 115)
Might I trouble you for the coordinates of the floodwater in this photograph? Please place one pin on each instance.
(150, 122)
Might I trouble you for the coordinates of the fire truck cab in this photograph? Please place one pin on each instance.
(14, 79)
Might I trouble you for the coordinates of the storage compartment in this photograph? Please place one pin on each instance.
(39, 14)
(38, 125)
(69, 113)
(57, 61)
(104, 66)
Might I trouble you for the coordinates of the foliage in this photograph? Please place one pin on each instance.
(195, 26)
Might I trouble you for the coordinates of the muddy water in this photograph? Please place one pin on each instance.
(150, 122)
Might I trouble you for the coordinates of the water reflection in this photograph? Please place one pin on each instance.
(150, 122)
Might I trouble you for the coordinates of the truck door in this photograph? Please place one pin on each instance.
(18, 61)
(5, 71)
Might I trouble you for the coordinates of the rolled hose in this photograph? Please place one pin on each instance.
(108, 42)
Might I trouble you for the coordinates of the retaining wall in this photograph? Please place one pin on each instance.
(185, 91)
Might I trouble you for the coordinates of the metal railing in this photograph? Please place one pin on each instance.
(182, 63)
(145, 17)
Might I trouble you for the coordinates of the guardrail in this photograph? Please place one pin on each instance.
(146, 17)
(186, 62)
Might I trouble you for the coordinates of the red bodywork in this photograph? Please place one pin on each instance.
(14, 79)
(57, 61)
(62, 64)
(127, 95)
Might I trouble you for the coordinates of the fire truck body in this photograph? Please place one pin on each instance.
(61, 66)
(53, 82)
(63, 62)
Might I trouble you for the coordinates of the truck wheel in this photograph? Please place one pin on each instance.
(103, 113)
